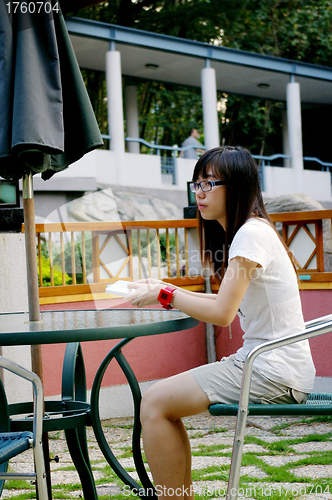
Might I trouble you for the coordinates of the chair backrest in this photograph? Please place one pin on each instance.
(4, 413)
(4, 426)
(13, 443)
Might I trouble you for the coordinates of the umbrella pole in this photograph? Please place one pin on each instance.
(32, 274)
(33, 294)
(30, 247)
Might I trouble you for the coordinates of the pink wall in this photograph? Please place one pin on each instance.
(151, 358)
(318, 303)
(164, 355)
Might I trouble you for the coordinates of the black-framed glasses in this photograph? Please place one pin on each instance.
(205, 186)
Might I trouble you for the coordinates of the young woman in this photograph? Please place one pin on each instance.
(258, 282)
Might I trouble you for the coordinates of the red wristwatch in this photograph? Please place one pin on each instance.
(165, 297)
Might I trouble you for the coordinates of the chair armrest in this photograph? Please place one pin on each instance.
(38, 404)
(318, 321)
(314, 328)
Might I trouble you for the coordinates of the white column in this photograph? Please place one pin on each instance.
(114, 101)
(285, 139)
(131, 114)
(295, 133)
(209, 102)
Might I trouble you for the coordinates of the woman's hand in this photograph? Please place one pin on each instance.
(144, 292)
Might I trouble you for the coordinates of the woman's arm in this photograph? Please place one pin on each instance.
(221, 311)
(203, 295)
(153, 281)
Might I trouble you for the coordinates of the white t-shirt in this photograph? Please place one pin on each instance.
(271, 307)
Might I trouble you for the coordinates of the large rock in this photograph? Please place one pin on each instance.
(300, 203)
(143, 207)
(104, 205)
(292, 203)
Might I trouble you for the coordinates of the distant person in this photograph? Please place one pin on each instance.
(192, 140)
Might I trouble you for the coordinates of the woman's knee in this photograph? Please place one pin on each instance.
(161, 400)
(152, 404)
(174, 398)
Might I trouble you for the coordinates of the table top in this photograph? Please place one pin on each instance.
(79, 326)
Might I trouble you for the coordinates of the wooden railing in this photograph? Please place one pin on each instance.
(81, 258)
(303, 233)
(77, 260)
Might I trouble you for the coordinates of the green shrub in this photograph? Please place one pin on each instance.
(56, 251)
(57, 273)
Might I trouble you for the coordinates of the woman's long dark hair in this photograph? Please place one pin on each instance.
(244, 199)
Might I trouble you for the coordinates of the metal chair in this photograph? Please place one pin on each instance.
(14, 443)
(317, 404)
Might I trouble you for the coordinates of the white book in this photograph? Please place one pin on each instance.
(118, 288)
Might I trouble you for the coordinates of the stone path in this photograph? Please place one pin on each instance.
(283, 458)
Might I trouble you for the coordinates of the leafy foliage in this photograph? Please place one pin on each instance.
(293, 29)
(57, 273)
(96, 84)
(168, 112)
(57, 259)
(196, 20)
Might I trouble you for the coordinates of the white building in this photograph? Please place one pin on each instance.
(124, 51)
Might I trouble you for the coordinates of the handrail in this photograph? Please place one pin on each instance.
(312, 158)
(305, 215)
(272, 157)
(176, 148)
(157, 146)
(59, 227)
(257, 157)
(170, 223)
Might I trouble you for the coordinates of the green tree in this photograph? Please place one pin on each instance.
(293, 29)
(167, 112)
(96, 84)
(195, 20)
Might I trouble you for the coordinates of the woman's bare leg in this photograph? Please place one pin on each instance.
(165, 439)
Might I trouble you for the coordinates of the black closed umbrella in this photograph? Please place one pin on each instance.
(46, 118)
(47, 121)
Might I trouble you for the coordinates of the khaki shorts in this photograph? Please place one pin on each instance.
(221, 382)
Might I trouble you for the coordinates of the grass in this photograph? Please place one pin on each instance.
(259, 479)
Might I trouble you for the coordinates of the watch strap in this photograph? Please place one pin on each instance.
(165, 297)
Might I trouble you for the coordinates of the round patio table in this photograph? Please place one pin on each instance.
(73, 413)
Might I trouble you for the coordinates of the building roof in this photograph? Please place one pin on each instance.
(169, 59)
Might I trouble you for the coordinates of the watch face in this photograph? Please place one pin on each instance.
(164, 296)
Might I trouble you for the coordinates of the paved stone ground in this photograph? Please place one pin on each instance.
(292, 460)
